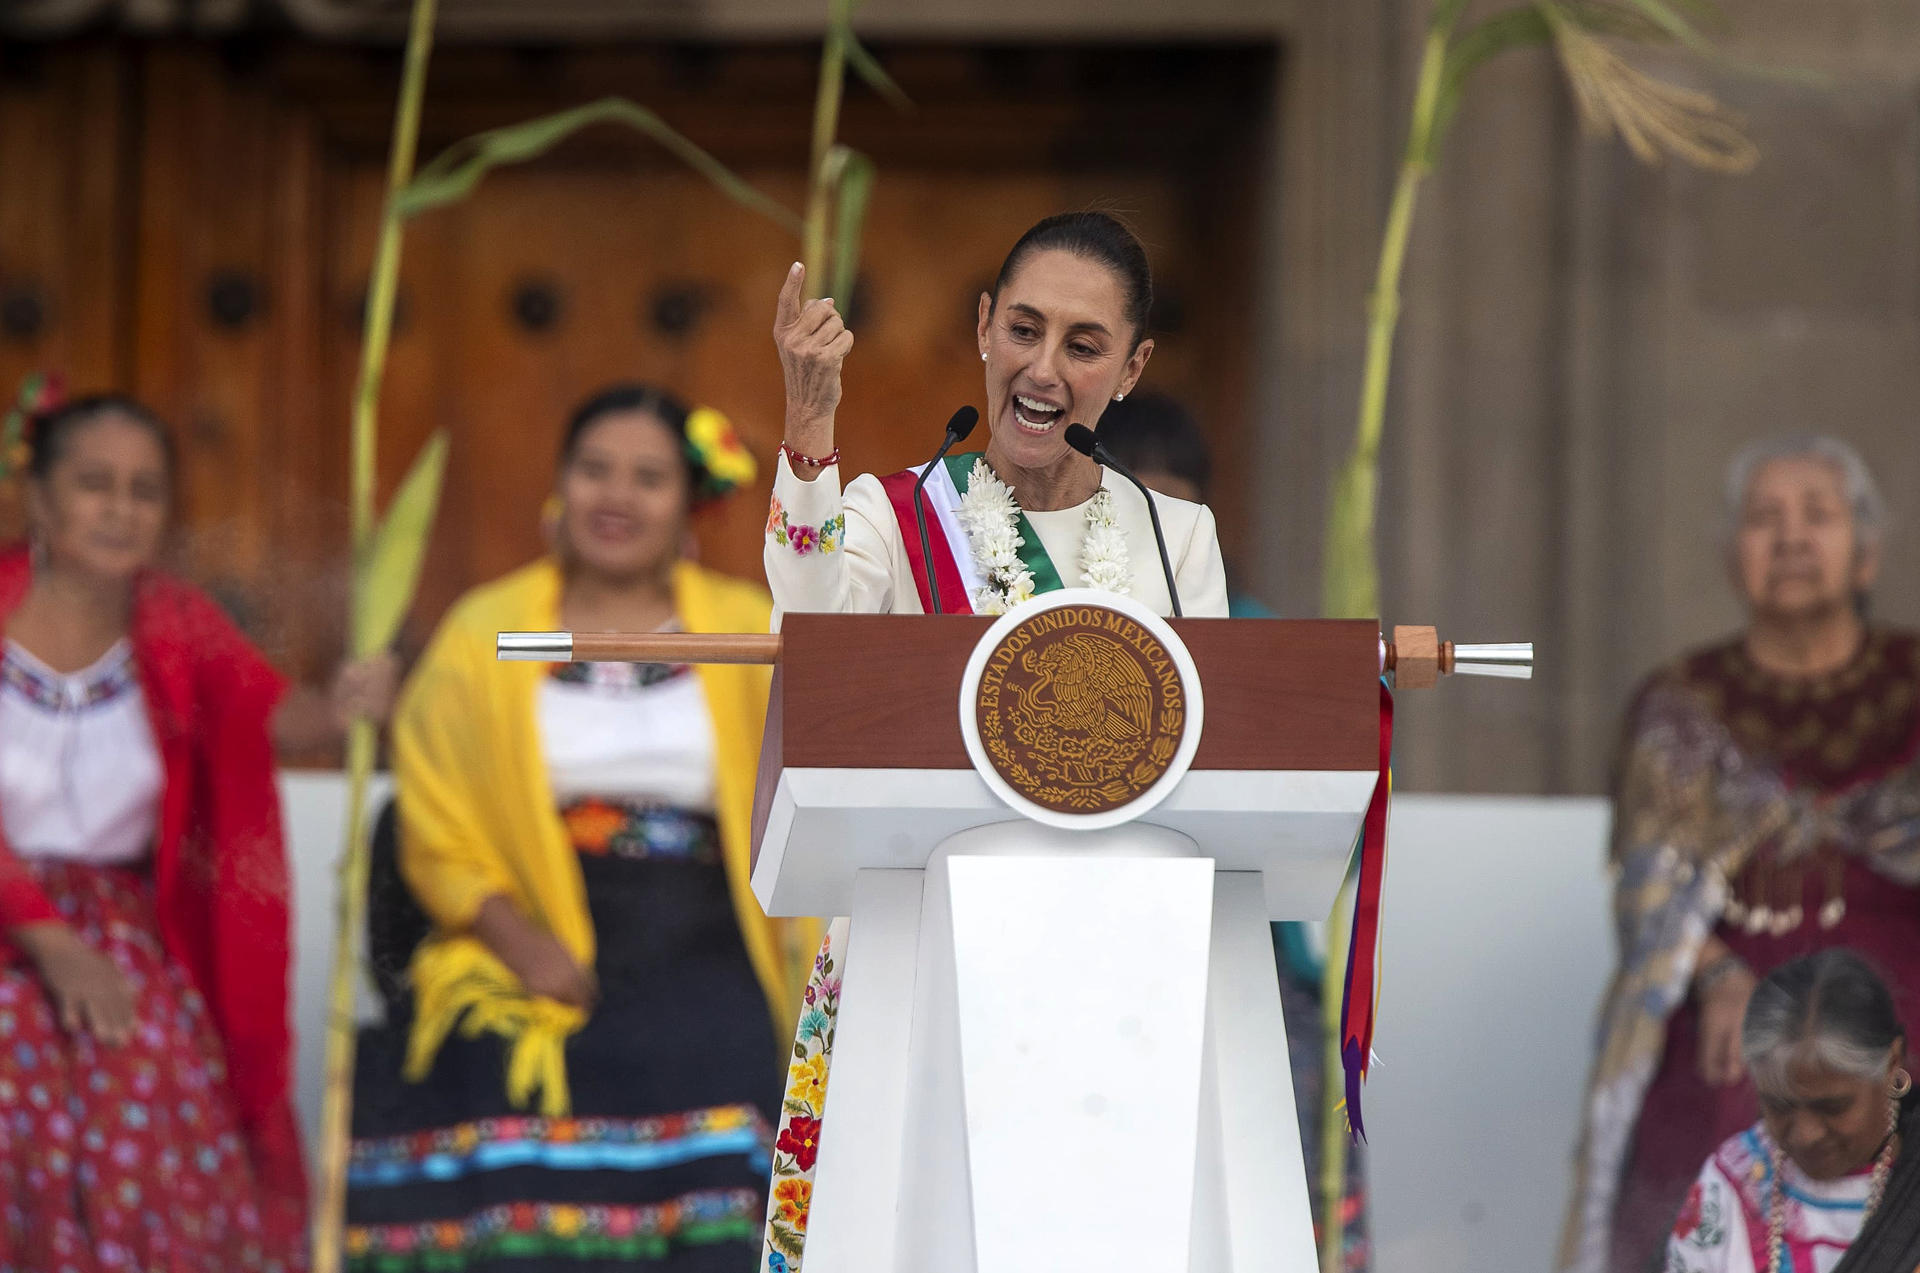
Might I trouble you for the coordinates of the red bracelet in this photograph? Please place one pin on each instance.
(828, 460)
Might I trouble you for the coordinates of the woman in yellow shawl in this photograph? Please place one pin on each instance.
(588, 1070)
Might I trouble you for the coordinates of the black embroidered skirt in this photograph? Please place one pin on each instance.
(675, 1083)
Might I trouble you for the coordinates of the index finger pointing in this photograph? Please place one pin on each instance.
(789, 307)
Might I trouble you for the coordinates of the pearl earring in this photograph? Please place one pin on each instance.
(983, 355)
(1119, 397)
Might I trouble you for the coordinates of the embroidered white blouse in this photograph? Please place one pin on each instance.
(1723, 1226)
(624, 732)
(80, 772)
(850, 555)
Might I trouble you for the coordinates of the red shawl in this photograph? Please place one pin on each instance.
(219, 862)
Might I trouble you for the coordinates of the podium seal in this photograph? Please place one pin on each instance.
(1081, 709)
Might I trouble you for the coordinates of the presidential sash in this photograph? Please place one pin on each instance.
(953, 568)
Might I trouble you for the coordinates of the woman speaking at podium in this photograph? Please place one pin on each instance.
(1062, 334)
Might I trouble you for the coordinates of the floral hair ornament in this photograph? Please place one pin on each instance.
(39, 393)
(726, 464)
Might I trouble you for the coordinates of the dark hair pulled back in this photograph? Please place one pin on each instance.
(618, 399)
(52, 432)
(1097, 237)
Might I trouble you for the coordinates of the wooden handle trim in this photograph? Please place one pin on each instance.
(644, 647)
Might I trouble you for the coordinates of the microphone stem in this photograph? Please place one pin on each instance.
(920, 517)
(1160, 542)
(1153, 513)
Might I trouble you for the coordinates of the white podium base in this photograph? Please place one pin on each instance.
(1060, 1050)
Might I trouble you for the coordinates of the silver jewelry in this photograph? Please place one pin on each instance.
(983, 355)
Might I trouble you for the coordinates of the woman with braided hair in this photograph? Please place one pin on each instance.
(1827, 1181)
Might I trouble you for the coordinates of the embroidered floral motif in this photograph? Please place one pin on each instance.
(1702, 1219)
(801, 1138)
(829, 536)
(807, 1082)
(797, 1147)
(624, 1144)
(526, 1230)
(620, 678)
(102, 683)
(795, 1200)
(604, 828)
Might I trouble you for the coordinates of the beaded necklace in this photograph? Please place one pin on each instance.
(1876, 1190)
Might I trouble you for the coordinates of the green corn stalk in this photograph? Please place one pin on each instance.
(842, 179)
(1653, 118)
(850, 176)
(386, 570)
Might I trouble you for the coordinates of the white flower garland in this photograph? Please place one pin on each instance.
(991, 517)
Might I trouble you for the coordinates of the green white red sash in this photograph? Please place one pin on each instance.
(953, 566)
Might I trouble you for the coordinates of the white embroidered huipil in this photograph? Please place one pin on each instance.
(1724, 1224)
(608, 737)
(829, 551)
(80, 773)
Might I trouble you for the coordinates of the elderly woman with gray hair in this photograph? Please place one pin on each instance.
(1825, 1181)
(1767, 807)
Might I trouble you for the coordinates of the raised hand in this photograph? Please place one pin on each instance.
(813, 341)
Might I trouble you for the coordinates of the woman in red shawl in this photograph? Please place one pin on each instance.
(145, 1068)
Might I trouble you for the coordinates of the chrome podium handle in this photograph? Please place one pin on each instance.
(534, 647)
(1512, 659)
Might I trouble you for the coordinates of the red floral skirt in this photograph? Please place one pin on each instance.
(129, 1157)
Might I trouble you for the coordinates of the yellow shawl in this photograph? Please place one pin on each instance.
(477, 818)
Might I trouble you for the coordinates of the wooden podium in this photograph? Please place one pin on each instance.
(1060, 1049)
(1060, 1043)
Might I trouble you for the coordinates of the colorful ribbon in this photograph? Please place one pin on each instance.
(1359, 1004)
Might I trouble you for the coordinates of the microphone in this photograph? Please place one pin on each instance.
(957, 430)
(1083, 440)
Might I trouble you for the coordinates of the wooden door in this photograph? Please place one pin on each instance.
(246, 222)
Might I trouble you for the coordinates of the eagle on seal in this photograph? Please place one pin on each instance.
(1096, 688)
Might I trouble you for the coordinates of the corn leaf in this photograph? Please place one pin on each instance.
(851, 174)
(861, 59)
(457, 170)
(1685, 22)
(1676, 24)
(390, 571)
(1616, 18)
(1511, 29)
